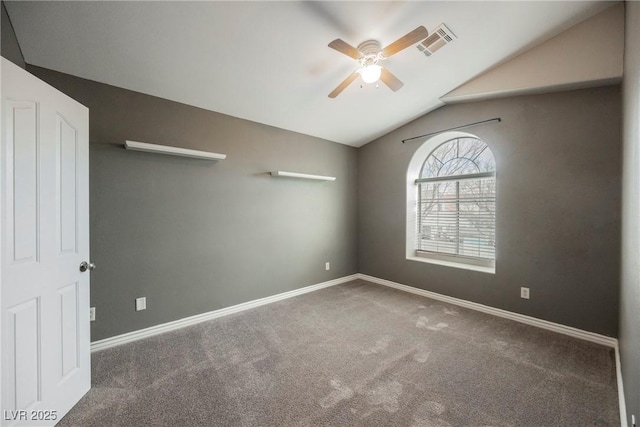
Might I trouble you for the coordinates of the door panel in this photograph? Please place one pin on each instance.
(22, 176)
(45, 229)
(69, 317)
(66, 174)
(25, 354)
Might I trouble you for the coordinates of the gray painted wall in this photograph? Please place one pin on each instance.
(630, 289)
(558, 209)
(9, 45)
(194, 236)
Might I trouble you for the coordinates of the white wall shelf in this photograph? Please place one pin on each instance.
(302, 176)
(172, 151)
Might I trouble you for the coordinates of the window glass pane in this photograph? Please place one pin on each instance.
(457, 216)
(459, 156)
(477, 218)
(486, 162)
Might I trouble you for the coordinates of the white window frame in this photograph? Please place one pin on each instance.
(413, 173)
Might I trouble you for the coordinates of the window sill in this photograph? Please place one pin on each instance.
(454, 264)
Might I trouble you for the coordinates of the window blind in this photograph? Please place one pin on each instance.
(456, 215)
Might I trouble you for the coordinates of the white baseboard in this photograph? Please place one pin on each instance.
(192, 320)
(621, 401)
(180, 323)
(544, 324)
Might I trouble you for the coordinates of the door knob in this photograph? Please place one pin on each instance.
(84, 266)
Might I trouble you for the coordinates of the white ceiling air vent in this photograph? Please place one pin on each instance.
(440, 37)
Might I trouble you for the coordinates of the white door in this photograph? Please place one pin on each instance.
(45, 237)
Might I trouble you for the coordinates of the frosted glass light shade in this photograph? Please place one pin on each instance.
(371, 73)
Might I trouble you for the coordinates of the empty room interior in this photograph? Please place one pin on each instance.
(310, 213)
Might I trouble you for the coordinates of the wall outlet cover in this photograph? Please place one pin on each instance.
(327, 266)
(141, 303)
(92, 314)
(524, 293)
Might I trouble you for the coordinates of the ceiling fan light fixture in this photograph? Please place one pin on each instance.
(371, 73)
(368, 54)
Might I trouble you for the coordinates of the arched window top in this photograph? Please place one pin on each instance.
(451, 203)
(459, 156)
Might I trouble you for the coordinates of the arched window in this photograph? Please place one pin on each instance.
(456, 203)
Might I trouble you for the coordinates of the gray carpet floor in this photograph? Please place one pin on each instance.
(355, 354)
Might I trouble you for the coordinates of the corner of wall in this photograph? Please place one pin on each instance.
(629, 315)
(11, 49)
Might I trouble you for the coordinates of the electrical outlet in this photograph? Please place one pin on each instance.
(92, 314)
(633, 421)
(524, 293)
(327, 266)
(141, 303)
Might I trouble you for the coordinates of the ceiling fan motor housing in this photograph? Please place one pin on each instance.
(372, 52)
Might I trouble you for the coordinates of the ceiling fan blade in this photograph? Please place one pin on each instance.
(342, 86)
(405, 41)
(390, 80)
(344, 47)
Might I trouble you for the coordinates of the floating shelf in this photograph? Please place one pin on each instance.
(172, 151)
(303, 176)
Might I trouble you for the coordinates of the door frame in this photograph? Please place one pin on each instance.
(2, 185)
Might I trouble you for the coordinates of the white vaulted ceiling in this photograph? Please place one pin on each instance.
(269, 62)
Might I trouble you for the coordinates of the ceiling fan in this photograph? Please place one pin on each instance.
(369, 55)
